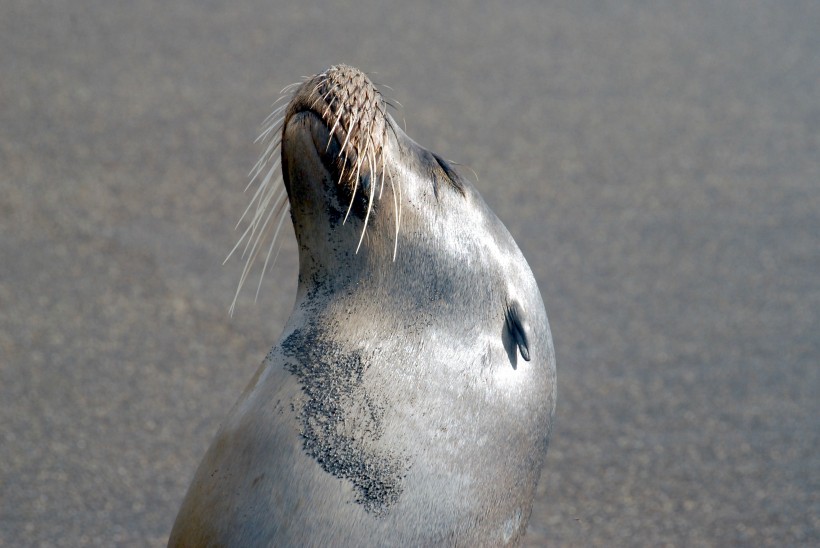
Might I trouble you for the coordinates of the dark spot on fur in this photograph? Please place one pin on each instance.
(340, 421)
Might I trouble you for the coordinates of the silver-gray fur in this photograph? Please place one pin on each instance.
(409, 400)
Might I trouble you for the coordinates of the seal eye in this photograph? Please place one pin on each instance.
(452, 175)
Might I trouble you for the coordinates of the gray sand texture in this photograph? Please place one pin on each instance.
(657, 162)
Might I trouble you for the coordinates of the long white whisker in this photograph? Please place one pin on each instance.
(252, 256)
(282, 218)
(381, 186)
(353, 121)
(370, 201)
(271, 127)
(262, 186)
(396, 210)
(276, 195)
(353, 196)
(332, 130)
(321, 97)
(269, 198)
(266, 156)
(288, 88)
(238, 243)
(276, 111)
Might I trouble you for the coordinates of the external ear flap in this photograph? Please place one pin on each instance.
(519, 328)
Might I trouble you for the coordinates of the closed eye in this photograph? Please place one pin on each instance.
(453, 178)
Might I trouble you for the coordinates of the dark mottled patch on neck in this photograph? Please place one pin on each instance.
(342, 423)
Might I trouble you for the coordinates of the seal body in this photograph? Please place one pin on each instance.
(410, 397)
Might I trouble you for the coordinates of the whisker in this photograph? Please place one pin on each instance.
(370, 201)
(275, 195)
(392, 104)
(355, 114)
(381, 186)
(321, 97)
(266, 156)
(288, 88)
(269, 198)
(252, 257)
(271, 127)
(273, 241)
(396, 210)
(349, 131)
(355, 186)
(332, 130)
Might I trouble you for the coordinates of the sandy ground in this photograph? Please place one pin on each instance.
(658, 163)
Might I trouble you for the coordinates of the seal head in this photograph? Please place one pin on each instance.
(410, 397)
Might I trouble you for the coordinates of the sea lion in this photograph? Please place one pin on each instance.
(409, 400)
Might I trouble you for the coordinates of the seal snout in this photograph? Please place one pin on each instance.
(351, 107)
(345, 115)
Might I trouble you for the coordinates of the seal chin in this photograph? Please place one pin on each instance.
(307, 144)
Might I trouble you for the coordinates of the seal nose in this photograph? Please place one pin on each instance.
(351, 107)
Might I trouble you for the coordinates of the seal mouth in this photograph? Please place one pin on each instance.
(340, 163)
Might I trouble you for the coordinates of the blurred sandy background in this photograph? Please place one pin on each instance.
(656, 161)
